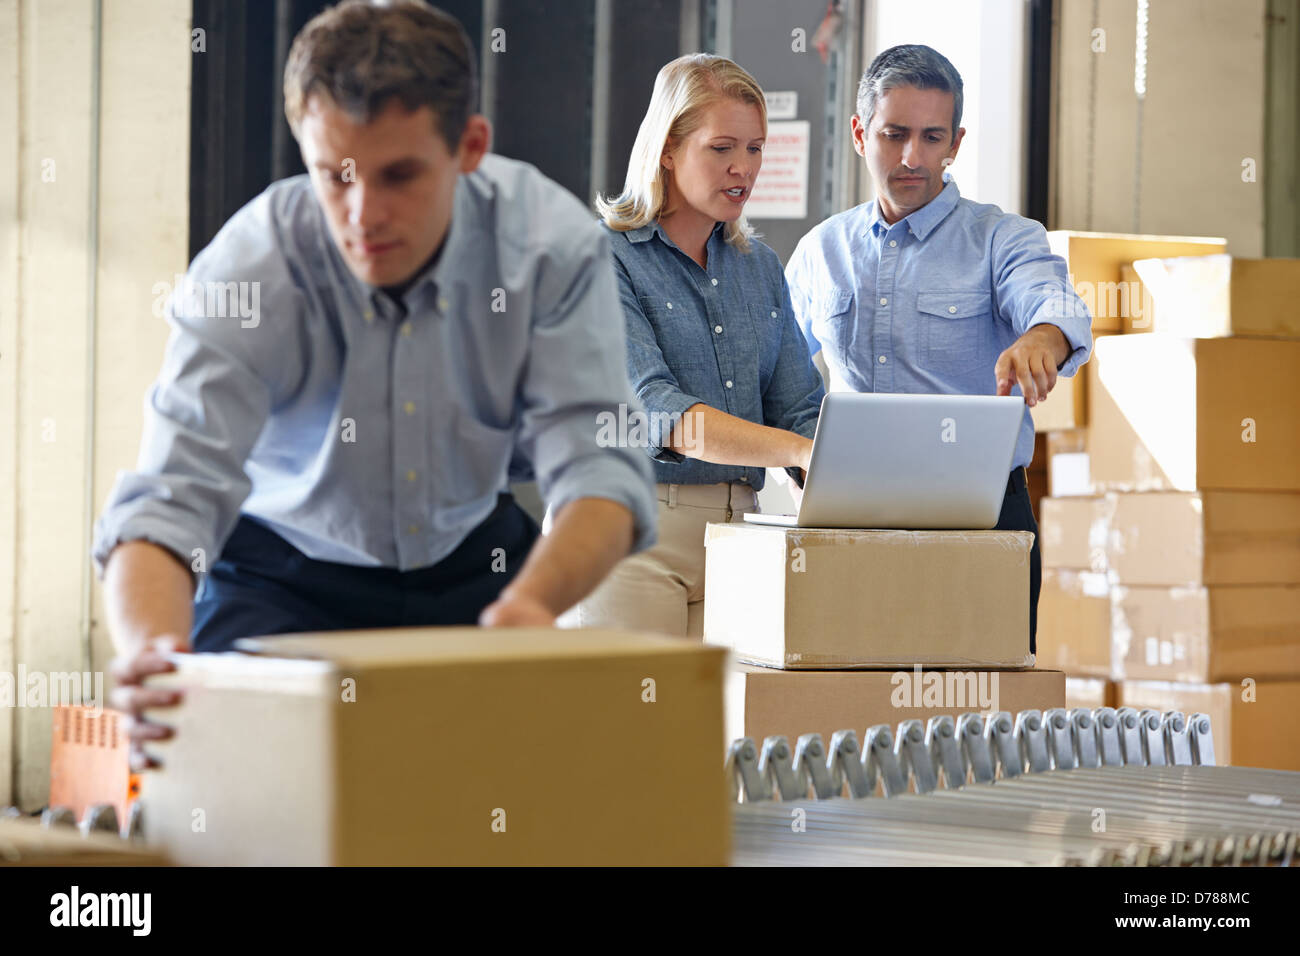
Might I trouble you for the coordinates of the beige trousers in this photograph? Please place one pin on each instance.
(662, 589)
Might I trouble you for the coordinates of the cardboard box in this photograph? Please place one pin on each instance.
(1174, 414)
(1073, 533)
(1068, 472)
(1089, 692)
(1205, 634)
(1217, 296)
(457, 746)
(1095, 260)
(823, 598)
(1074, 623)
(1190, 539)
(1066, 405)
(762, 702)
(1254, 723)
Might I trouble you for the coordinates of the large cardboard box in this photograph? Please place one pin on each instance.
(762, 702)
(1068, 471)
(1217, 296)
(1254, 723)
(1192, 414)
(1066, 405)
(1074, 623)
(1096, 258)
(446, 746)
(1089, 693)
(823, 598)
(1073, 533)
(1203, 538)
(1206, 634)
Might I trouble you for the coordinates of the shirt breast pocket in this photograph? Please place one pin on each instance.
(835, 323)
(479, 462)
(677, 329)
(957, 331)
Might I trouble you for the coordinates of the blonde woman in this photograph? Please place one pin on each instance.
(713, 350)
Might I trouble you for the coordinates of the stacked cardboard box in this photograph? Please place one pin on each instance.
(1192, 456)
(843, 630)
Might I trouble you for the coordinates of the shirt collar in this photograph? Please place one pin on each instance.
(924, 220)
(652, 228)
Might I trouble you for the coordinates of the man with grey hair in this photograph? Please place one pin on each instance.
(921, 290)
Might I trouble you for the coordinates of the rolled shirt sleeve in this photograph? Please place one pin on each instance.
(1032, 285)
(575, 382)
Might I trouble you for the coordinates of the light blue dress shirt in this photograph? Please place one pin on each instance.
(927, 305)
(724, 336)
(370, 431)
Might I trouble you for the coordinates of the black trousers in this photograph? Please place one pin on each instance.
(1018, 515)
(263, 585)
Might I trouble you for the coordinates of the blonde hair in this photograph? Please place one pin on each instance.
(683, 90)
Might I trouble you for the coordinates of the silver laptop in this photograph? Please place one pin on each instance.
(908, 461)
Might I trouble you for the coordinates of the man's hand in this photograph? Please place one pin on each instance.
(516, 610)
(132, 698)
(1032, 361)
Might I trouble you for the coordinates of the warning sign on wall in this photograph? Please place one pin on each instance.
(781, 190)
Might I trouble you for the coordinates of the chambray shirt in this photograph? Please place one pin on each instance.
(725, 336)
(929, 303)
(371, 431)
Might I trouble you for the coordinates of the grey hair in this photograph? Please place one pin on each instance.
(910, 64)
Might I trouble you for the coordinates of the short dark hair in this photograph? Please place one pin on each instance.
(361, 55)
(909, 64)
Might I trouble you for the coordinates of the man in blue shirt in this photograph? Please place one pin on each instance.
(416, 321)
(923, 291)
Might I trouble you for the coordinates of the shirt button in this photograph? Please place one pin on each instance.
(718, 329)
(442, 304)
(368, 315)
(412, 529)
(409, 407)
(410, 475)
(951, 309)
(670, 305)
(882, 360)
(729, 383)
(884, 301)
(893, 242)
(406, 328)
(714, 281)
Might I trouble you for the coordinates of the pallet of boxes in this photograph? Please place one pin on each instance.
(835, 629)
(1171, 534)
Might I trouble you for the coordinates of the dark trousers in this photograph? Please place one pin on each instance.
(1018, 515)
(264, 585)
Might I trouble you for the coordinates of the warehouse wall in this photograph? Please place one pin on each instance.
(92, 214)
(1174, 166)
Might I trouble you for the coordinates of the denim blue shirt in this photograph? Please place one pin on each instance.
(929, 303)
(371, 431)
(724, 336)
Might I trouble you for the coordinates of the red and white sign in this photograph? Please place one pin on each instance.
(781, 190)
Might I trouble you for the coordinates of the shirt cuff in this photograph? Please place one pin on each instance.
(184, 545)
(662, 416)
(1079, 351)
(632, 489)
